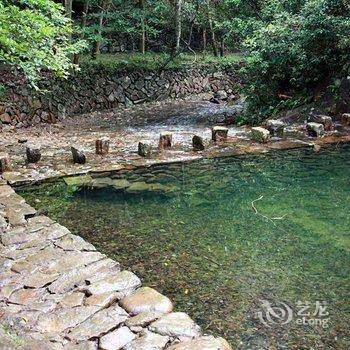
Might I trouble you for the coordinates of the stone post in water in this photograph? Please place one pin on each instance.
(219, 133)
(78, 156)
(165, 139)
(102, 146)
(197, 143)
(5, 164)
(144, 149)
(33, 154)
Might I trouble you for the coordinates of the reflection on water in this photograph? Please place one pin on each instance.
(220, 235)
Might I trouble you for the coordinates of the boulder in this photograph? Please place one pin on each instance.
(144, 149)
(197, 143)
(5, 118)
(102, 146)
(146, 300)
(325, 120)
(78, 156)
(275, 126)
(345, 119)
(165, 139)
(315, 129)
(219, 133)
(33, 154)
(260, 134)
(5, 164)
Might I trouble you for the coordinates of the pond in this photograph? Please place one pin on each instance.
(221, 237)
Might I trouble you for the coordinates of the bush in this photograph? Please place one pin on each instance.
(296, 51)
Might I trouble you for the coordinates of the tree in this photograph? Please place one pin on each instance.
(35, 36)
(178, 8)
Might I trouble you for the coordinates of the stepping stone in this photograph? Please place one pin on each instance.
(5, 164)
(148, 341)
(117, 339)
(146, 300)
(219, 133)
(197, 143)
(176, 324)
(102, 146)
(325, 120)
(71, 242)
(205, 343)
(315, 129)
(33, 154)
(78, 156)
(345, 119)
(260, 134)
(275, 126)
(144, 149)
(165, 139)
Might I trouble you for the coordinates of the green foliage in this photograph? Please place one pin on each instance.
(153, 61)
(35, 36)
(294, 50)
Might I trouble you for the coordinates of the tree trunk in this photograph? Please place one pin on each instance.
(143, 30)
(97, 44)
(213, 40)
(204, 39)
(85, 12)
(68, 5)
(178, 7)
(222, 46)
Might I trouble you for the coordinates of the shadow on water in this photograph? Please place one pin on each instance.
(219, 236)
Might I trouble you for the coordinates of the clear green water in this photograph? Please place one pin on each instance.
(206, 248)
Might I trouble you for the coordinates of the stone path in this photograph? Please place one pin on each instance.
(58, 292)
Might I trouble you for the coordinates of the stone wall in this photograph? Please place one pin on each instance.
(97, 89)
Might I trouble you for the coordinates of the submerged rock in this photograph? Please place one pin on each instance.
(219, 133)
(260, 134)
(102, 182)
(315, 129)
(83, 180)
(176, 324)
(141, 186)
(120, 184)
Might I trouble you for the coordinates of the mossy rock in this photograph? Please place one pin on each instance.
(83, 180)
